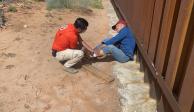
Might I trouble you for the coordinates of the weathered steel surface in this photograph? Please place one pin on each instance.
(164, 35)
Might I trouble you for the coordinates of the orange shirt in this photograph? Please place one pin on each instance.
(66, 38)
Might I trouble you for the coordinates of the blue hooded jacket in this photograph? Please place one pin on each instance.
(124, 40)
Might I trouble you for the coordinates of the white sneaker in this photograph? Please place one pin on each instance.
(71, 70)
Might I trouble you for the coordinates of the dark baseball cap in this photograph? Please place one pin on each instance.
(121, 21)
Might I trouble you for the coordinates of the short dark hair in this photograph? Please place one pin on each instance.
(81, 23)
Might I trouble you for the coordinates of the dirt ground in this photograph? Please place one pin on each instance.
(32, 81)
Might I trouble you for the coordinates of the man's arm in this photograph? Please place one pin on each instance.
(116, 38)
(85, 45)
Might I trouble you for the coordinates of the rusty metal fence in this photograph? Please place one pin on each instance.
(164, 32)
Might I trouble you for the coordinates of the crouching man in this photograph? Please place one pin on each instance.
(65, 45)
(120, 47)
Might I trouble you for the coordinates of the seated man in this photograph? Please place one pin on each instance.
(65, 45)
(121, 46)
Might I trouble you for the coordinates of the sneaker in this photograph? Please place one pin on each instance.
(70, 70)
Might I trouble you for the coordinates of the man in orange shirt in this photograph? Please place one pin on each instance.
(65, 45)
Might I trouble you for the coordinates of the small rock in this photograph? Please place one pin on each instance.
(25, 26)
(9, 66)
(11, 55)
(17, 39)
(26, 106)
(8, 55)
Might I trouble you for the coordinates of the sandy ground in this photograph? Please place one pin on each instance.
(32, 81)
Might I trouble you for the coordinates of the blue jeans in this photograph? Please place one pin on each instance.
(116, 53)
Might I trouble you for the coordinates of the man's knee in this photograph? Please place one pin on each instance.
(111, 46)
(80, 54)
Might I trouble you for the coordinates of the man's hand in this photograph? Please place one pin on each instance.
(98, 50)
(87, 52)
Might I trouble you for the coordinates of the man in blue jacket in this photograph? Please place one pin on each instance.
(121, 46)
